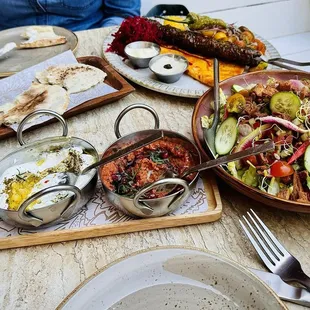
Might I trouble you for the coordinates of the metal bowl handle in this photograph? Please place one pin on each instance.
(38, 112)
(129, 108)
(35, 221)
(169, 181)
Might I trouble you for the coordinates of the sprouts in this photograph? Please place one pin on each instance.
(303, 114)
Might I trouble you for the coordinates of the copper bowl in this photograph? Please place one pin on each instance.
(203, 108)
(139, 206)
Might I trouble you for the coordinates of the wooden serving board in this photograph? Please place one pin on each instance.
(113, 79)
(205, 206)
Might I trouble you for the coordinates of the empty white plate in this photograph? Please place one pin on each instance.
(173, 278)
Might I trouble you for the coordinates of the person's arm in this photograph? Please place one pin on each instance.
(116, 10)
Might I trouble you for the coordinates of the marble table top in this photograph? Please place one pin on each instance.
(40, 277)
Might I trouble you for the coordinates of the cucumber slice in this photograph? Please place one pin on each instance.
(307, 159)
(285, 102)
(226, 136)
(236, 88)
(274, 187)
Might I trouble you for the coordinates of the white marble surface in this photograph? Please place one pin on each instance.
(40, 277)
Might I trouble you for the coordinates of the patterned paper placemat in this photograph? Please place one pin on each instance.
(99, 211)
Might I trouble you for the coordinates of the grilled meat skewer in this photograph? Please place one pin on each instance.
(142, 29)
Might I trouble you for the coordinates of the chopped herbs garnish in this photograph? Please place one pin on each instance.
(59, 197)
(159, 156)
(129, 174)
(21, 176)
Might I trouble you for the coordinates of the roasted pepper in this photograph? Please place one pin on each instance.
(235, 103)
(199, 22)
(261, 66)
(300, 151)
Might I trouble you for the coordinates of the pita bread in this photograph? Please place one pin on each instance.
(74, 78)
(38, 96)
(41, 36)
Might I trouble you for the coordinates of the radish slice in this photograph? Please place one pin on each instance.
(246, 142)
(283, 122)
(297, 85)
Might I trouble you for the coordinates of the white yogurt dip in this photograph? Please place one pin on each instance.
(167, 65)
(144, 52)
(19, 182)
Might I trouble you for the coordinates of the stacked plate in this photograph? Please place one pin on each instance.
(172, 278)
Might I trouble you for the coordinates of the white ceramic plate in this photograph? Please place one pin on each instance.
(172, 278)
(20, 59)
(185, 87)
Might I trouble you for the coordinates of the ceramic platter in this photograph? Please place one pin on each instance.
(172, 278)
(203, 107)
(20, 59)
(185, 87)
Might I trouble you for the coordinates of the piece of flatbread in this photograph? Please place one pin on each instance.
(74, 78)
(201, 68)
(38, 96)
(41, 36)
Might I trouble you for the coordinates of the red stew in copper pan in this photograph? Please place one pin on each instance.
(129, 174)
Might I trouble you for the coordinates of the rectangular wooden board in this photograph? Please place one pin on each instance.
(213, 213)
(113, 79)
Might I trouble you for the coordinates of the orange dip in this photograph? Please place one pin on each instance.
(128, 174)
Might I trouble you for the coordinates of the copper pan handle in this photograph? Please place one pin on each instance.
(39, 112)
(147, 210)
(129, 108)
(35, 221)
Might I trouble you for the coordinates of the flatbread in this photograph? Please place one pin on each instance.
(74, 78)
(201, 68)
(37, 97)
(41, 36)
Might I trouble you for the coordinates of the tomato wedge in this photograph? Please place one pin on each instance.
(281, 169)
(252, 159)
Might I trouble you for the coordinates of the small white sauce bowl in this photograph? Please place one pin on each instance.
(141, 62)
(165, 77)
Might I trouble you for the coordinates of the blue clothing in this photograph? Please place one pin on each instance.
(70, 14)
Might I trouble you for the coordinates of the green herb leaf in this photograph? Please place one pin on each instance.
(308, 181)
(155, 156)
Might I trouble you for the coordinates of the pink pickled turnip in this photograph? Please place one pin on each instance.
(297, 85)
(247, 141)
(244, 129)
(283, 122)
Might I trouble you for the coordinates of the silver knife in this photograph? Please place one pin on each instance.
(285, 291)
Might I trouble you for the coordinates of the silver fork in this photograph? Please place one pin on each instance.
(280, 62)
(276, 258)
(209, 134)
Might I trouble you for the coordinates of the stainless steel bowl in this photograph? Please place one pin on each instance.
(141, 62)
(164, 75)
(55, 212)
(137, 206)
